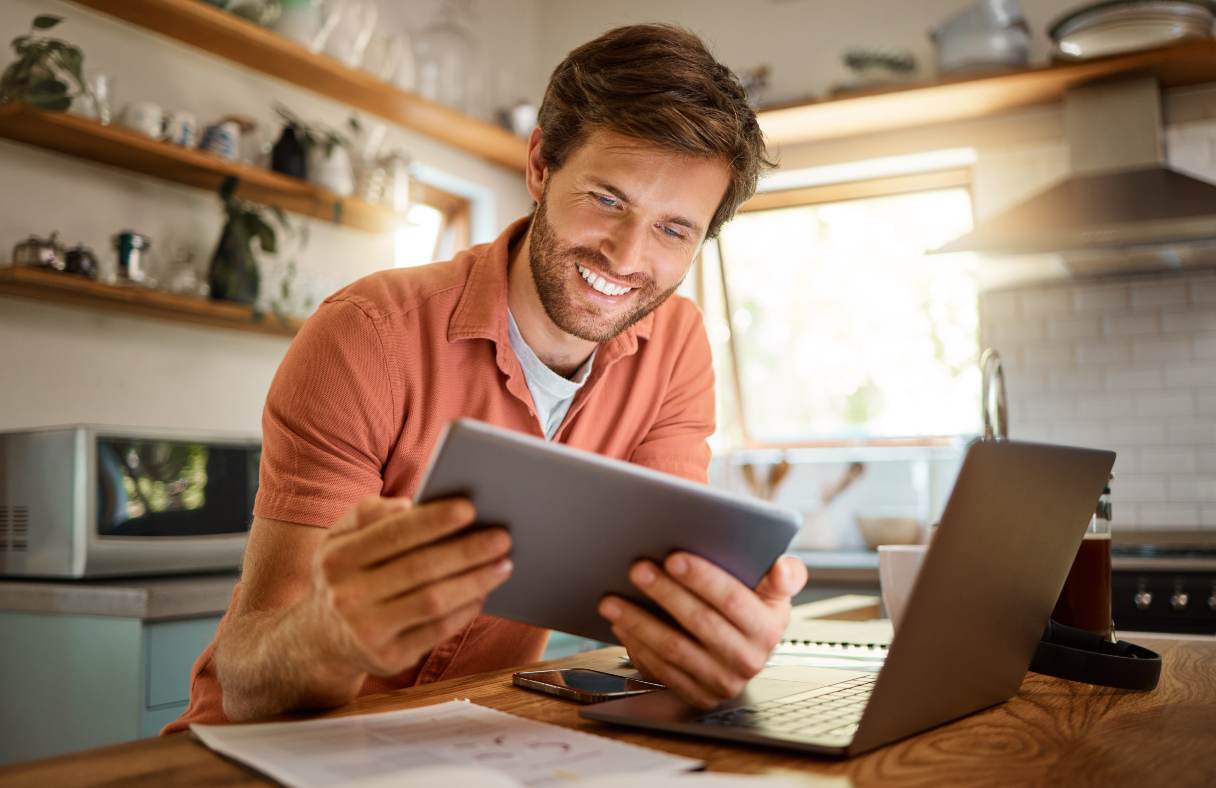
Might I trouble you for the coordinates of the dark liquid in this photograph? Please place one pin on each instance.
(1085, 601)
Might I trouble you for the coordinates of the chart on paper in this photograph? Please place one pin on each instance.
(345, 749)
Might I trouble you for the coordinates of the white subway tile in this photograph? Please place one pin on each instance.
(1203, 346)
(1203, 291)
(1025, 429)
(1161, 350)
(1192, 488)
(1190, 375)
(1157, 293)
(1130, 378)
(1125, 515)
(1207, 516)
(1169, 460)
(1081, 380)
(1007, 334)
(1100, 298)
(1190, 321)
(1137, 434)
(1206, 459)
(1022, 381)
(1160, 405)
(1106, 406)
(999, 304)
(1191, 433)
(1108, 352)
(1047, 408)
(1126, 460)
(1058, 354)
(1137, 324)
(1168, 516)
(1054, 301)
(1075, 328)
(1139, 487)
(1205, 403)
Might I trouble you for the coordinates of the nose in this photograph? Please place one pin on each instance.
(625, 246)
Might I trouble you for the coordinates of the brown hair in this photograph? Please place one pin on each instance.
(660, 84)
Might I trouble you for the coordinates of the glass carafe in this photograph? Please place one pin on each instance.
(449, 65)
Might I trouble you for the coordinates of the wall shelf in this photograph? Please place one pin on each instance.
(962, 98)
(130, 150)
(130, 300)
(223, 34)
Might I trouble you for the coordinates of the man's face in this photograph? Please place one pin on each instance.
(616, 229)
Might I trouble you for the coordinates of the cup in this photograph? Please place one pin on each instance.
(1085, 601)
(181, 128)
(223, 139)
(146, 117)
(898, 566)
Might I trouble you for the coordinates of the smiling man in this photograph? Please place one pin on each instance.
(564, 327)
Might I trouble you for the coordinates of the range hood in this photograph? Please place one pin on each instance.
(1120, 203)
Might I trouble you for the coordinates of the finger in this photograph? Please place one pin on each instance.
(439, 600)
(715, 633)
(723, 591)
(674, 647)
(787, 577)
(654, 667)
(428, 564)
(409, 646)
(368, 510)
(403, 531)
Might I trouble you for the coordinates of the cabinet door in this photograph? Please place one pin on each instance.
(170, 648)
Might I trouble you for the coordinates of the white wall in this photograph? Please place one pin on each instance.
(60, 364)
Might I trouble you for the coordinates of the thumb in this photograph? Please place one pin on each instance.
(369, 510)
(786, 577)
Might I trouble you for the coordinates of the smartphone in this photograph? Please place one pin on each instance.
(583, 685)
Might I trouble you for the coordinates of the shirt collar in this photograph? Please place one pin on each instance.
(482, 309)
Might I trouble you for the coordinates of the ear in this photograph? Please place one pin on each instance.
(536, 171)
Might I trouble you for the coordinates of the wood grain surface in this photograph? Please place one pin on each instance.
(1052, 733)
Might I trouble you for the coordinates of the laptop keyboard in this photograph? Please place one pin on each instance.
(828, 713)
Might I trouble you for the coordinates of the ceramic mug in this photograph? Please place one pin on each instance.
(222, 139)
(146, 117)
(898, 566)
(181, 128)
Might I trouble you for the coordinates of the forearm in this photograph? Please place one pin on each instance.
(277, 661)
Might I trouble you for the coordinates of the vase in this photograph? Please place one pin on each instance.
(288, 156)
(331, 169)
(233, 274)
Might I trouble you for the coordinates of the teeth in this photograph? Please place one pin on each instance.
(601, 284)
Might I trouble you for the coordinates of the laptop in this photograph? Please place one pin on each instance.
(978, 608)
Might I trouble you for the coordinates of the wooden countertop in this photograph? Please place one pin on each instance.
(1053, 732)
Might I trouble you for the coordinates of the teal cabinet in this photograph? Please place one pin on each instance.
(71, 682)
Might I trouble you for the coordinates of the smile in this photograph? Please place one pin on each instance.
(601, 284)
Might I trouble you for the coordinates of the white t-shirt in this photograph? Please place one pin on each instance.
(551, 393)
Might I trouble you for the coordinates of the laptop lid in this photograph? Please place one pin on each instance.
(987, 586)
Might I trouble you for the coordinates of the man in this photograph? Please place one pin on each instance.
(563, 327)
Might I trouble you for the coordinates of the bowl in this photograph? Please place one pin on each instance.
(1114, 26)
(888, 529)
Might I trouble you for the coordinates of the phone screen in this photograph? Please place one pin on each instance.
(584, 683)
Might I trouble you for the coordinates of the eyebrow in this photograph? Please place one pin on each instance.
(620, 195)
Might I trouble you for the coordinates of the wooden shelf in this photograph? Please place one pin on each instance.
(960, 99)
(130, 150)
(61, 288)
(208, 28)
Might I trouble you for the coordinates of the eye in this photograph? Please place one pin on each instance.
(606, 200)
(671, 232)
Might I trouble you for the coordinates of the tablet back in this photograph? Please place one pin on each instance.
(578, 521)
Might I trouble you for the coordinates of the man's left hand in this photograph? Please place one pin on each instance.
(733, 628)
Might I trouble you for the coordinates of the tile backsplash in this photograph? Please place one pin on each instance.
(1127, 364)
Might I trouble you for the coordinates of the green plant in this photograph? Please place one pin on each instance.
(313, 134)
(44, 67)
(234, 273)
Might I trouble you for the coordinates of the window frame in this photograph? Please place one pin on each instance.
(950, 178)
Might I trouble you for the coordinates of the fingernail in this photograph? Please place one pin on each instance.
(643, 575)
(504, 566)
(678, 565)
(610, 610)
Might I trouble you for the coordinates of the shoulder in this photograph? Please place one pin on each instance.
(396, 292)
(677, 321)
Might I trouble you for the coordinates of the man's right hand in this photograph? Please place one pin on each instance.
(390, 581)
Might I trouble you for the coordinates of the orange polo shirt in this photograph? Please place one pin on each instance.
(372, 378)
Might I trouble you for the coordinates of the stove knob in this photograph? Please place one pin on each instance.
(1212, 600)
(1179, 599)
(1143, 597)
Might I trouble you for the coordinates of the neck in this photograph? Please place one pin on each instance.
(561, 352)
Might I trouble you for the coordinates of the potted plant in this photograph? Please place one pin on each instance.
(44, 70)
(326, 152)
(234, 274)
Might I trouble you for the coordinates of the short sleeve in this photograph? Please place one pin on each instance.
(678, 441)
(330, 421)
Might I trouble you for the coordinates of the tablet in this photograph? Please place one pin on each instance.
(578, 521)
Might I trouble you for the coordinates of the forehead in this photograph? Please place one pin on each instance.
(651, 176)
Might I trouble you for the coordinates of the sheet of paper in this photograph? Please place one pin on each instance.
(341, 750)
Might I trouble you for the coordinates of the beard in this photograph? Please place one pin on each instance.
(552, 264)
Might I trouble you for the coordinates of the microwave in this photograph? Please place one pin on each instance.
(89, 501)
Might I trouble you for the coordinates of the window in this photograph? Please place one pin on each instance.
(435, 228)
(839, 328)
